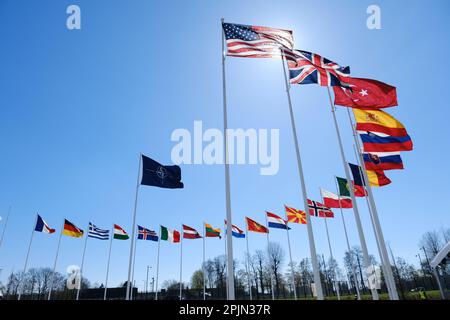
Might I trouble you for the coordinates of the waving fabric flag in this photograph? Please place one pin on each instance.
(97, 233)
(332, 200)
(312, 68)
(41, 226)
(344, 189)
(120, 233)
(378, 121)
(256, 42)
(170, 235)
(71, 230)
(146, 234)
(319, 210)
(295, 215)
(377, 178)
(379, 142)
(254, 226)
(235, 231)
(157, 175)
(275, 221)
(365, 94)
(382, 160)
(211, 232)
(190, 233)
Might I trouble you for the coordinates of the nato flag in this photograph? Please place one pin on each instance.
(157, 175)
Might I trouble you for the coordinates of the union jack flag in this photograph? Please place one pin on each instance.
(312, 68)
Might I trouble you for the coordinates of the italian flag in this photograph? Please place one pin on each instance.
(169, 235)
(119, 233)
(332, 200)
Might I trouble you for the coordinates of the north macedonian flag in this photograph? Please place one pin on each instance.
(254, 226)
(295, 215)
(71, 230)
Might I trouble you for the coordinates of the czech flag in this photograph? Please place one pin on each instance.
(41, 226)
(275, 221)
(382, 160)
(379, 142)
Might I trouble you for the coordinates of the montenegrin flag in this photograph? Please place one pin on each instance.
(378, 121)
(190, 233)
(71, 230)
(170, 235)
(254, 226)
(211, 232)
(332, 200)
(120, 233)
(295, 215)
(275, 221)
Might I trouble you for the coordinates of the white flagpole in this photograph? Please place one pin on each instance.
(388, 269)
(133, 233)
(350, 252)
(133, 268)
(54, 264)
(225, 241)
(268, 258)
(181, 263)
(248, 263)
(312, 245)
(290, 257)
(203, 266)
(26, 261)
(109, 260)
(230, 271)
(82, 263)
(362, 238)
(157, 263)
(4, 227)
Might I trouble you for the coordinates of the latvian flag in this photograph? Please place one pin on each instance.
(41, 226)
(332, 200)
(275, 221)
(190, 233)
(170, 235)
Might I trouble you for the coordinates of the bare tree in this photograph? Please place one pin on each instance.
(275, 259)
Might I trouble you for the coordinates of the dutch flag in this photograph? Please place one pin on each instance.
(275, 221)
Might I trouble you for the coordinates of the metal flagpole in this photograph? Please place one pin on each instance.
(350, 252)
(248, 262)
(290, 257)
(133, 233)
(181, 263)
(226, 274)
(312, 245)
(268, 257)
(109, 260)
(362, 238)
(157, 264)
(4, 227)
(82, 264)
(133, 269)
(54, 264)
(230, 271)
(26, 260)
(203, 266)
(388, 269)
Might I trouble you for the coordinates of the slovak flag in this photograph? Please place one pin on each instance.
(275, 221)
(41, 226)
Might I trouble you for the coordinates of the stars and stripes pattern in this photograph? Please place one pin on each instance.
(97, 233)
(317, 209)
(312, 68)
(255, 41)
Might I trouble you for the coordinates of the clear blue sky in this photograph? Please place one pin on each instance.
(77, 108)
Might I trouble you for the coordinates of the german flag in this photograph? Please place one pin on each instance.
(71, 230)
(211, 232)
(295, 215)
(255, 226)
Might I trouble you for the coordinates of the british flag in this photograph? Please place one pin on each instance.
(312, 68)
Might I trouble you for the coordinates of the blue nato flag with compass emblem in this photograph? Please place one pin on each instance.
(157, 175)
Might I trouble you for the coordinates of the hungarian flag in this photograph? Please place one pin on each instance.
(319, 210)
(71, 230)
(378, 121)
(211, 232)
(332, 200)
(382, 160)
(295, 215)
(169, 235)
(119, 233)
(344, 189)
(42, 226)
(254, 226)
(365, 94)
(380, 142)
(190, 233)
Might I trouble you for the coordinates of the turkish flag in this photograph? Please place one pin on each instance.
(365, 94)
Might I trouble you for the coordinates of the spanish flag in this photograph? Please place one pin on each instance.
(254, 226)
(71, 230)
(378, 121)
(377, 178)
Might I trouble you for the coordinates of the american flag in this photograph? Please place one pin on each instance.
(256, 42)
(312, 68)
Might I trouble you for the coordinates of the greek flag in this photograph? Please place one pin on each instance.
(97, 233)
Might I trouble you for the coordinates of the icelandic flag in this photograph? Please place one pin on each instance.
(41, 226)
(275, 221)
(235, 231)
